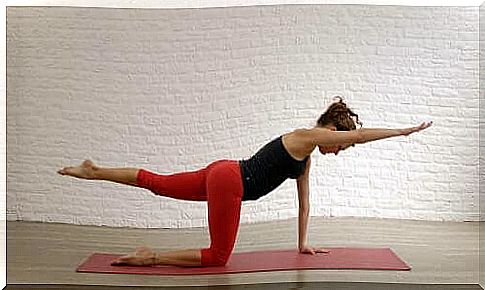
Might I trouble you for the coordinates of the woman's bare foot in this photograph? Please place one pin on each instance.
(84, 171)
(143, 256)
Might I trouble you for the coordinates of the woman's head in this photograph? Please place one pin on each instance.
(338, 117)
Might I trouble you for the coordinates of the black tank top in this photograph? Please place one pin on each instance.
(268, 168)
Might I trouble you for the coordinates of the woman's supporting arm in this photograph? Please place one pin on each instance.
(303, 184)
(303, 205)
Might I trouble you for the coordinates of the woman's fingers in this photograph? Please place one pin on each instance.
(421, 127)
(427, 125)
(313, 251)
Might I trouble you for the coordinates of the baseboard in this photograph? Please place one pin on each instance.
(12, 216)
(263, 286)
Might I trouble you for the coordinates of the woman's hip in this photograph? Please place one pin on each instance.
(224, 177)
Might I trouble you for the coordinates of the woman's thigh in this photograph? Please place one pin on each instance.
(224, 196)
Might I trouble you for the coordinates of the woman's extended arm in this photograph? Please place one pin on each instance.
(324, 137)
(369, 134)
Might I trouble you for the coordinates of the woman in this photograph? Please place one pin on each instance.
(224, 184)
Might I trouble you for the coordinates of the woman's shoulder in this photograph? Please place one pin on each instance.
(298, 143)
(301, 134)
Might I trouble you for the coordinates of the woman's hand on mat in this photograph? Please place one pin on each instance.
(312, 250)
(421, 127)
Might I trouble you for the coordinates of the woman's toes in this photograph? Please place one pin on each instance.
(116, 263)
(64, 171)
(122, 261)
(79, 172)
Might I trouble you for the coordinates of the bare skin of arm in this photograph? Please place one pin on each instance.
(323, 137)
(303, 186)
(301, 143)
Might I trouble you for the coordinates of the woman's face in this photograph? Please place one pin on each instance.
(329, 149)
(333, 149)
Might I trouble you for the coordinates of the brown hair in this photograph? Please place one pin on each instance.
(340, 116)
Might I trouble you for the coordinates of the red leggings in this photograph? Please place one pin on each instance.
(220, 184)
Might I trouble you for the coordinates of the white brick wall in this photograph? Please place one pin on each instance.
(173, 90)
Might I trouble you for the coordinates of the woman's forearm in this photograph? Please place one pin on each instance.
(302, 227)
(372, 134)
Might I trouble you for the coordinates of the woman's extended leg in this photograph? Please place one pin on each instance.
(88, 170)
(184, 185)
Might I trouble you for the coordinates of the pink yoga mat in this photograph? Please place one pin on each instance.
(338, 258)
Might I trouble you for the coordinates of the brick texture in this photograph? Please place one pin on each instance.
(171, 90)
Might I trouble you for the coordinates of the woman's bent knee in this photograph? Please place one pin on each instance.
(214, 258)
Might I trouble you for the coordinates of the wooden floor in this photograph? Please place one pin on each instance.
(439, 252)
